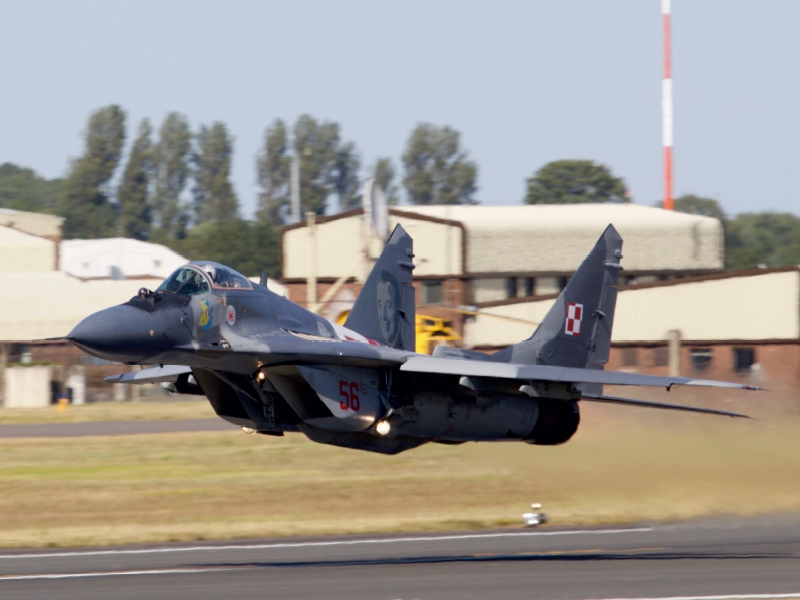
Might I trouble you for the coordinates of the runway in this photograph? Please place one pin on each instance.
(713, 560)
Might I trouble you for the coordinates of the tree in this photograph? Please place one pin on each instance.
(134, 208)
(696, 205)
(344, 176)
(171, 166)
(272, 168)
(436, 170)
(23, 189)
(754, 239)
(214, 199)
(573, 182)
(243, 245)
(87, 202)
(384, 177)
(328, 167)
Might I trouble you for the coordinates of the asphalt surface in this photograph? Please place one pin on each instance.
(706, 559)
(114, 428)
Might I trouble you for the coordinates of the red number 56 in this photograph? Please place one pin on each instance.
(349, 396)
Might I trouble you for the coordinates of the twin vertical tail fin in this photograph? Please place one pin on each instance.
(384, 310)
(576, 332)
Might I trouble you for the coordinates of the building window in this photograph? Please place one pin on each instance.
(630, 357)
(743, 359)
(661, 356)
(562, 283)
(511, 287)
(431, 292)
(700, 359)
(530, 286)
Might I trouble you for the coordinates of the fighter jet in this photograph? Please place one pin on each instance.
(271, 366)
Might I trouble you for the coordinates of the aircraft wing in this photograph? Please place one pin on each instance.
(480, 368)
(153, 375)
(664, 405)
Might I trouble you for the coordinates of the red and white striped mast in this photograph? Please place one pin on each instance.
(666, 109)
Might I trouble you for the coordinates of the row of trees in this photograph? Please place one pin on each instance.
(175, 188)
(752, 240)
(148, 200)
(436, 169)
(148, 203)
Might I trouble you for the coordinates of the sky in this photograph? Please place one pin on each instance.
(524, 81)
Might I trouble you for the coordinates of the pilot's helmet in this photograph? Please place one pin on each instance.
(211, 271)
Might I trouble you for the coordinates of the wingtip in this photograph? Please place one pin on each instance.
(734, 415)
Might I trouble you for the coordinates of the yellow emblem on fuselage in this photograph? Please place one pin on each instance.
(207, 315)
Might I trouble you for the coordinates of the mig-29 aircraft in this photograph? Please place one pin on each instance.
(271, 366)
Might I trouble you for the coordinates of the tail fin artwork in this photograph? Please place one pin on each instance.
(576, 332)
(384, 310)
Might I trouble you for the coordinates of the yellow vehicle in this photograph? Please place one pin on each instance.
(434, 331)
(431, 332)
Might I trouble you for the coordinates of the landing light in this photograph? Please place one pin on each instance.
(261, 376)
(383, 427)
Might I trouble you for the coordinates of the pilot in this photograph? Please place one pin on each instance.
(224, 278)
(211, 272)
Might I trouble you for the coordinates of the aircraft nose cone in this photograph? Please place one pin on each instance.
(121, 333)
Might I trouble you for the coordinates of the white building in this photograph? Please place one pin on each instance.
(117, 258)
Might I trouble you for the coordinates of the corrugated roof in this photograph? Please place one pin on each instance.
(556, 238)
(556, 216)
(33, 223)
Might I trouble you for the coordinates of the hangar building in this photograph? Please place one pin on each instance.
(736, 326)
(28, 241)
(476, 254)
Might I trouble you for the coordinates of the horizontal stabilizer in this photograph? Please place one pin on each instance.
(646, 404)
(479, 368)
(156, 374)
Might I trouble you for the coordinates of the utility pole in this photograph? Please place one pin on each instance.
(311, 281)
(294, 183)
(367, 228)
(666, 107)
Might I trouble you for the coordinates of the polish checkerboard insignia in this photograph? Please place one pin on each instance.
(574, 319)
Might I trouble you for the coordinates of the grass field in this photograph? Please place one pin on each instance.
(111, 411)
(620, 467)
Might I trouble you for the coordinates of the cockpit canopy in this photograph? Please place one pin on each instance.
(200, 276)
